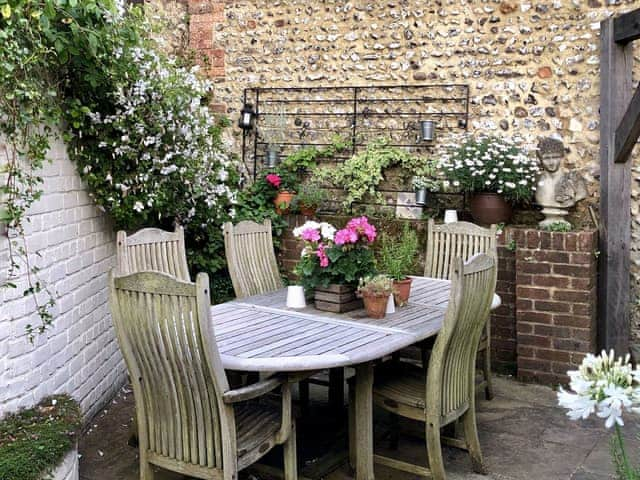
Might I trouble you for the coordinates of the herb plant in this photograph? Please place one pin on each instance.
(398, 257)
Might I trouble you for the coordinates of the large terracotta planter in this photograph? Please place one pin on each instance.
(375, 305)
(402, 291)
(283, 201)
(490, 208)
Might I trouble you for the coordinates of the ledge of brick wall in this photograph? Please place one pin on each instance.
(547, 282)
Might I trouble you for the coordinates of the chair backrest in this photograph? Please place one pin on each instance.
(251, 259)
(450, 378)
(153, 249)
(166, 336)
(458, 239)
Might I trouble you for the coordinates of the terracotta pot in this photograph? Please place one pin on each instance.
(490, 208)
(308, 210)
(375, 305)
(402, 291)
(282, 201)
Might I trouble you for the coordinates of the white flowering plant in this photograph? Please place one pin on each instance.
(607, 387)
(490, 164)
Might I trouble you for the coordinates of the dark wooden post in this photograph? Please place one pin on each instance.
(616, 60)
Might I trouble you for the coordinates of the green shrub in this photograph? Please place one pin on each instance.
(398, 257)
(34, 441)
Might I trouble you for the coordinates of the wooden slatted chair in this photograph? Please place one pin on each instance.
(153, 249)
(447, 392)
(250, 258)
(189, 421)
(462, 239)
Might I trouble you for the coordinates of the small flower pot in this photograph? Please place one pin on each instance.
(283, 201)
(375, 305)
(308, 210)
(402, 291)
(490, 208)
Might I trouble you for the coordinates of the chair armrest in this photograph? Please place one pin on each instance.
(254, 390)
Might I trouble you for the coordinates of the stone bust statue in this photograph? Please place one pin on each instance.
(557, 189)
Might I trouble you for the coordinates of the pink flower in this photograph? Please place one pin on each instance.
(274, 179)
(324, 260)
(362, 226)
(310, 235)
(346, 235)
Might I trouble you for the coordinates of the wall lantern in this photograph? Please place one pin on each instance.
(247, 117)
(427, 130)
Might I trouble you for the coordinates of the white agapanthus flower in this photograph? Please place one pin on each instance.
(604, 386)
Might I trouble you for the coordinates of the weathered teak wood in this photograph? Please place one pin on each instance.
(447, 392)
(189, 421)
(250, 258)
(628, 130)
(449, 241)
(616, 62)
(153, 249)
(626, 27)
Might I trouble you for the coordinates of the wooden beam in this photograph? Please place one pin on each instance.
(626, 27)
(616, 61)
(628, 130)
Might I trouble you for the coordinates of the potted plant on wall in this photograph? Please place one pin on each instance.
(397, 258)
(375, 291)
(309, 198)
(333, 261)
(284, 185)
(425, 180)
(497, 172)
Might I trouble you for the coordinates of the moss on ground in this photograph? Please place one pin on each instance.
(34, 441)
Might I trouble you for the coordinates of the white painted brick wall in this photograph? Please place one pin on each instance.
(79, 354)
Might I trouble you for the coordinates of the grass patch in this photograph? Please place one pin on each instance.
(34, 441)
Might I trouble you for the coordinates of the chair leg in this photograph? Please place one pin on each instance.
(434, 451)
(352, 426)
(291, 456)
(486, 364)
(471, 438)
(146, 470)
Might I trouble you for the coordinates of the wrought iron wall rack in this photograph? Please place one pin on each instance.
(312, 116)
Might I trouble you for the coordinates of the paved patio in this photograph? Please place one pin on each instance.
(524, 435)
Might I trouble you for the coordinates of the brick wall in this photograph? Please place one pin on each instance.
(79, 354)
(547, 283)
(556, 302)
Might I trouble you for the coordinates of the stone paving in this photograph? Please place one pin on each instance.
(523, 434)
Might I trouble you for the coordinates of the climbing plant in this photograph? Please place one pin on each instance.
(137, 124)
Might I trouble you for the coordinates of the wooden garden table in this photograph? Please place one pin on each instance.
(260, 334)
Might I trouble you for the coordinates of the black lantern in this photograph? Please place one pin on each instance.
(247, 117)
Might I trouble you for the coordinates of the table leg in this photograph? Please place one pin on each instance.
(364, 422)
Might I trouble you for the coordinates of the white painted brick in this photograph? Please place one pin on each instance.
(79, 356)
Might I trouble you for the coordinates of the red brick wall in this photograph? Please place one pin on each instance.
(547, 282)
(556, 302)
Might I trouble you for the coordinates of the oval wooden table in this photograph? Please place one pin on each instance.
(260, 334)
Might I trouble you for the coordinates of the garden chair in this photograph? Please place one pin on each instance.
(250, 258)
(253, 267)
(462, 239)
(153, 249)
(189, 420)
(447, 393)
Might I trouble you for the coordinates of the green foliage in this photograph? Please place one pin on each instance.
(310, 195)
(34, 441)
(360, 175)
(624, 469)
(558, 227)
(398, 257)
(346, 266)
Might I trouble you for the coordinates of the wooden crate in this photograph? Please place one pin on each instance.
(337, 298)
